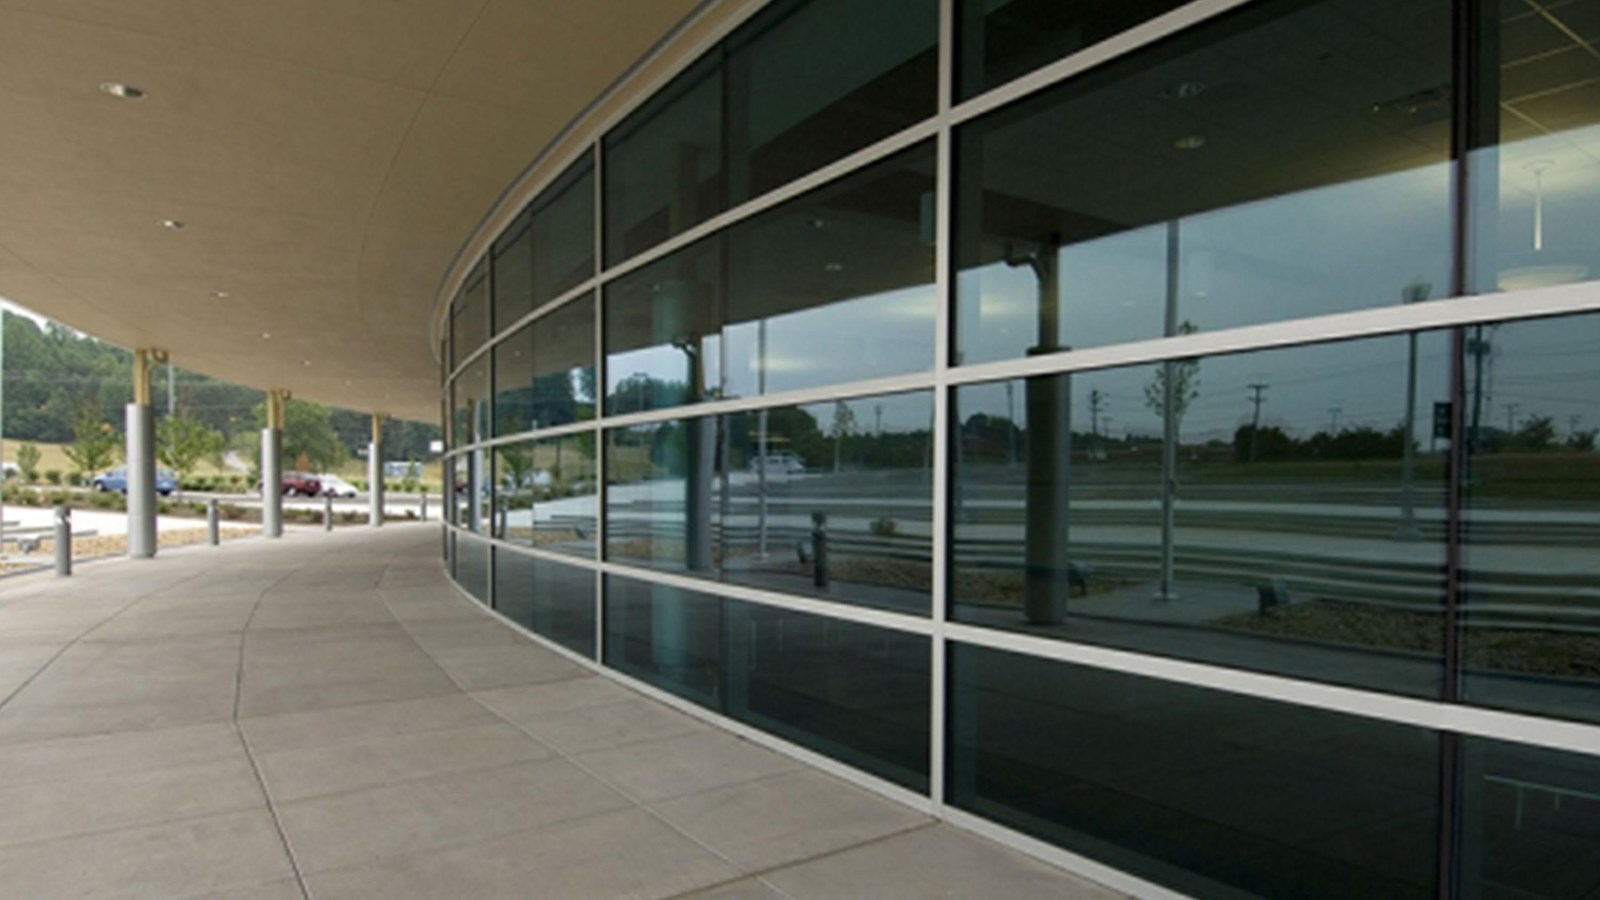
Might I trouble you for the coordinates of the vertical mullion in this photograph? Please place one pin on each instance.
(941, 409)
(599, 402)
(1467, 129)
(487, 358)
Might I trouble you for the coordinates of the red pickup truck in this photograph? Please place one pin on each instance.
(299, 483)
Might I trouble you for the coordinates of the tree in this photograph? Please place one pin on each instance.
(516, 466)
(1185, 383)
(844, 422)
(93, 441)
(182, 443)
(1537, 435)
(28, 462)
(307, 431)
(1581, 441)
(1269, 443)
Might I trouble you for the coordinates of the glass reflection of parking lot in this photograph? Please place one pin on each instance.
(1295, 534)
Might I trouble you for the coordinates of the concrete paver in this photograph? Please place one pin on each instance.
(325, 716)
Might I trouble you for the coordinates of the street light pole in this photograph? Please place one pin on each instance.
(1407, 530)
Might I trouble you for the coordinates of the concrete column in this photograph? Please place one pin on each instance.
(375, 473)
(272, 466)
(141, 456)
(140, 453)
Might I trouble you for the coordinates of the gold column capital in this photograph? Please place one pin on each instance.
(145, 360)
(276, 399)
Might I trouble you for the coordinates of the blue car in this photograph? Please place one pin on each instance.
(117, 480)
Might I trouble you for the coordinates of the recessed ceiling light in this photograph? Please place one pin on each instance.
(305, 362)
(125, 91)
(834, 267)
(174, 224)
(219, 295)
(1190, 142)
(266, 335)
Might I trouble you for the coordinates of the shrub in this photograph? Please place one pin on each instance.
(884, 527)
(28, 462)
(76, 479)
(53, 476)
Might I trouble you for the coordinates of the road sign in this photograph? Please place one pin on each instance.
(1441, 421)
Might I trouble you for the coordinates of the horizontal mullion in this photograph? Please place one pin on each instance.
(1477, 721)
(577, 562)
(895, 384)
(1398, 319)
(887, 147)
(539, 312)
(1114, 47)
(832, 609)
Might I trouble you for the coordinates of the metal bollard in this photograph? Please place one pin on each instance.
(819, 549)
(327, 512)
(424, 506)
(213, 528)
(63, 540)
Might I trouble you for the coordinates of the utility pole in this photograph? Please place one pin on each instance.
(171, 391)
(1333, 427)
(1511, 417)
(1257, 389)
(1097, 399)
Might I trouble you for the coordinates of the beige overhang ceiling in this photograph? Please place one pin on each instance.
(329, 161)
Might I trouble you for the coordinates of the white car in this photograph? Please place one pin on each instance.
(334, 486)
(778, 464)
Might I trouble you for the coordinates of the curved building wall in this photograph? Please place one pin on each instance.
(1159, 435)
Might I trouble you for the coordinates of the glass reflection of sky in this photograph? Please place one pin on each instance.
(891, 333)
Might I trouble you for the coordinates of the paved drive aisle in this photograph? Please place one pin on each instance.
(324, 717)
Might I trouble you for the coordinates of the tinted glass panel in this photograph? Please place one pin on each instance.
(544, 373)
(563, 233)
(853, 477)
(853, 692)
(666, 637)
(1000, 39)
(759, 111)
(1211, 794)
(545, 494)
(787, 115)
(663, 165)
(1531, 611)
(1530, 824)
(1288, 160)
(472, 409)
(660, 483)
(513, 273)
(472, 567)
(836, 286)
(548, 598)
(751, 497)
(1536, 177)
(469, 327)
(1301, 537)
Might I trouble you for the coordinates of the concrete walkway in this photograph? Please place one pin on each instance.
(325, 717)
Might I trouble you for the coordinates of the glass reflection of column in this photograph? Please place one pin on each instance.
(1165, 589)
(475, 467)
(1048, 400)
(1416, 292)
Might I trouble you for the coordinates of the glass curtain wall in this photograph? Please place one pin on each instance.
(1263, 359)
